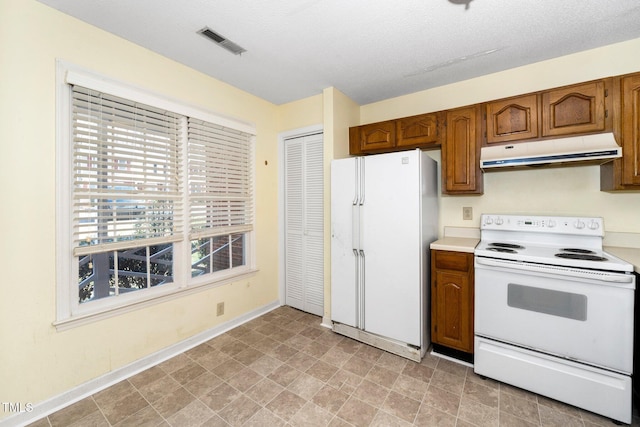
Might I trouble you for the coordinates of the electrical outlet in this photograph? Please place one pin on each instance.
(220, 309)
(467, 213)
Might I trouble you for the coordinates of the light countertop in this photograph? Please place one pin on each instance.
(625, 246)
(457, 239)
(456, 244)
(631, 255)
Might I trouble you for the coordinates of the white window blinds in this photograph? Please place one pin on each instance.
(126, 173)
(220, 162)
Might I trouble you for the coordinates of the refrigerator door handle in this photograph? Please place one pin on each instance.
(361, 182)
(356, 258)
(355, 227)
(360, 228)
(356, 190)
(361, 291)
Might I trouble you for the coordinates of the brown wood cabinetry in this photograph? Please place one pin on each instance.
(376, 136)
(606, 105)
(461, 151)
(624, 173)
(512, 119)
(420, 131)
(566, 111)
(630, 128)
(576, 109)
(452, 299)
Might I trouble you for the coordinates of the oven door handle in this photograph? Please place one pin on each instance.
(603, 276)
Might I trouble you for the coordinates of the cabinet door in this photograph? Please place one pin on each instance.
(452, 300)
(575, 109)
(512, 119)
(460, 155)
(631, 130)
(417, 130)
(377, 136)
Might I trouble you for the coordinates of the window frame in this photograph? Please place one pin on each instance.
(69, 311)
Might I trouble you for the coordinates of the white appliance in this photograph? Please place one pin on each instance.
(384, 215)
(598, 148)
(554, 313)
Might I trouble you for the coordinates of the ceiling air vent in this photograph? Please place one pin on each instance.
(222, 41)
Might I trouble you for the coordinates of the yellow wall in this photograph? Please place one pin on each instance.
(36, 361)
(563, 191)
(301, 113)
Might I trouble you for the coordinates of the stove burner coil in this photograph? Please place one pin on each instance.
(505, 245)
(578, 251)
(504, 250)
(580, 256)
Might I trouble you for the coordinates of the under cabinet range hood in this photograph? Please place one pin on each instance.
(599, 147)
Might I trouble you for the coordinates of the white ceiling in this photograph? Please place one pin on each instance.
(368, 49)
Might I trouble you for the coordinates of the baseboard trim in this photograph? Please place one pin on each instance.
(326, 322)
(69, 397)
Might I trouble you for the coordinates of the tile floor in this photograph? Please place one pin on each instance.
(284, 369)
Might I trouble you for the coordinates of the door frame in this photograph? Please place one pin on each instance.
(295, 133)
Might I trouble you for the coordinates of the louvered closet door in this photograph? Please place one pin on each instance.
(304, 253)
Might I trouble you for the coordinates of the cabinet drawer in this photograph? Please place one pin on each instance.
(459, 261)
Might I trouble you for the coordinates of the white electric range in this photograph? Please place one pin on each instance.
(554, 312)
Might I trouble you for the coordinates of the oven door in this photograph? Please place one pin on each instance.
(583, 315)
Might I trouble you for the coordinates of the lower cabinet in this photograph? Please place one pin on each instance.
(452, 299)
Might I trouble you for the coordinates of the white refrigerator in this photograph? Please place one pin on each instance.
(384, 215)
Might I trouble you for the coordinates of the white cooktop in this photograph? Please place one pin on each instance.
(578, 240)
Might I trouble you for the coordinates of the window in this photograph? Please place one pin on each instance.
(154, 197)
(220, 196)
(126, 198)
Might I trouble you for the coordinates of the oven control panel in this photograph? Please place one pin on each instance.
(591, 226)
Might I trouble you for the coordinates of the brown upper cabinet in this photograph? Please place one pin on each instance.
(606, 105)
(631, 129)
(420, 131)
(624, 173)
(577, 109)
(461, 172)
(566, 111)
(375, 137)
(512, 119)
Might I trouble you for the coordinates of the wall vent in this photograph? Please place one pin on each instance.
(222, 41)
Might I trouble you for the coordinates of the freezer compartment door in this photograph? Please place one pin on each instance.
(345, 260)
